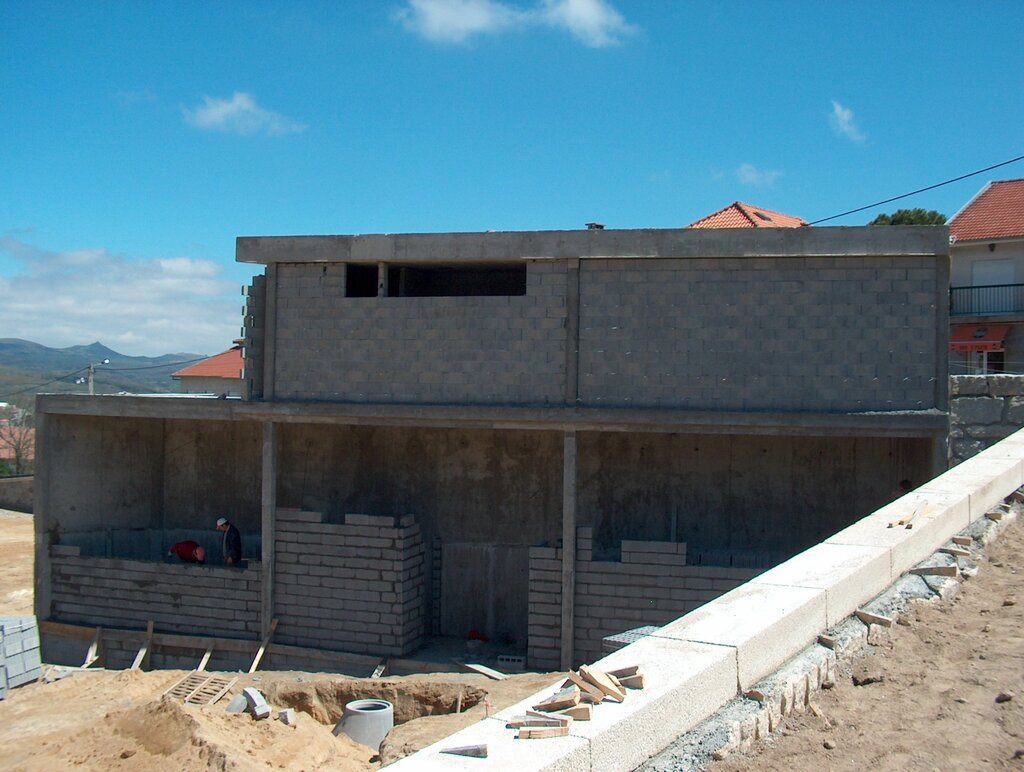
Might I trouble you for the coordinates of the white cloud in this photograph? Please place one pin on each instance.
(594, 22)
(748, 174)
(239, 115)
(844, 123)
(133, 305)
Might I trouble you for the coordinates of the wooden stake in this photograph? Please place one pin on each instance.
(602, 682)
(963, 541)
(827, 641)
(579, 712)
(94, 649)
(144, 651)
(263, 647)
(872, 619)
(473, 751)
(936, 571)
(590, 692)
(206, 659)
(958, 552)
(543, 732)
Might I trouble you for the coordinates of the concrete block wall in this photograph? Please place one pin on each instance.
(180, 598)
(771, 333)
(355, 587)
(983, 409)
(481, 349)
(254, 336)
(651, 585)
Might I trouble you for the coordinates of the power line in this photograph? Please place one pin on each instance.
(152, 367)
(919, 190)
(40, 385)
(101, 369)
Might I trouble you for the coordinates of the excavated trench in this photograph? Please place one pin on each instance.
(325, 700)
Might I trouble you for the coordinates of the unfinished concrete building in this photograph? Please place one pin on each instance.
(545, 437)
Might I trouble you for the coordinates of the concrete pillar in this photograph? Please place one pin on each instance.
(940, 454)
(572, 332)
(382, 280)
(568, 549)
(44, 478)
(269, 516)
(269, 331)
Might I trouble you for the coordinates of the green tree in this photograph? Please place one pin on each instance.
(910, 217)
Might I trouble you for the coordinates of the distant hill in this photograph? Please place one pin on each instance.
(24, 364)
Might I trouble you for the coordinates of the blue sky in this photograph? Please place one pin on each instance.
(137, 140)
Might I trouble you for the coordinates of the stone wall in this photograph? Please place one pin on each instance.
(16, 493)
(356, 586)
(983, 409)
(178, 597)
(650, 585)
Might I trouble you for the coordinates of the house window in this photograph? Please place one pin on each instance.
(431, 281)
(360, 280)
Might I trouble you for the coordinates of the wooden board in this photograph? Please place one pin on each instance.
(543, 732)
(566, 698)
(590, 692)
(144, 651)
(484, 670)
(872, 619)
(599, 679)
(579, 712)
(936, 571)
(263, 647)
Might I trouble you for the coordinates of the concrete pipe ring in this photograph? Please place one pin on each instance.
(367, 721)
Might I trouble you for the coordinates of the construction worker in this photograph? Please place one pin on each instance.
(232, 543)
(188, 551)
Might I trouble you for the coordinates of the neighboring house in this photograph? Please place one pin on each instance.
(220, 374)
(987, 281)
(430, 418)
(740, 215)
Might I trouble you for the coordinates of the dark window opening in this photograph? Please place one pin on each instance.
(360, 280)
(997, 361)
(432, 281)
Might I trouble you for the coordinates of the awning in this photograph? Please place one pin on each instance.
(978, 337)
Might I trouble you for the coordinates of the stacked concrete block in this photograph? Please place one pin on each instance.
(475, 349)
(178, 597)
(770, 333)
(983, 409)
(254, 335)
(650, 585)
(355, 586)
(20, 661)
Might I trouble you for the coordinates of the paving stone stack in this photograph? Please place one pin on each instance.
(178, 597)
(650, 585)
(355, 586)
(19, 652)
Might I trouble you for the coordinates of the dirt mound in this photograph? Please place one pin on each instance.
(325, 699)
(160, 728)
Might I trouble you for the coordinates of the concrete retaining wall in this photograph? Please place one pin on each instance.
(178, 597)
(354, 587)
(16, 493)
(651, 585)
(983, 409)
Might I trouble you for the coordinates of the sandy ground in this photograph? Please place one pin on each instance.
(102, 720)
(945, 692)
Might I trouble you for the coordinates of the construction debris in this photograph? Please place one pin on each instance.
(872, 619)
(258, 706)
(288, 717)
(953, 571)
(543, 732)
(601, 680)
(590, 693)
(565, 698)
(958, 552)
(578, 712)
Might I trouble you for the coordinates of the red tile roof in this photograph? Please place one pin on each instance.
(997, 212)
(225, 365)
(740, 215)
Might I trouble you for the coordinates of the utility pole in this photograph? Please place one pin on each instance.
(92, 371)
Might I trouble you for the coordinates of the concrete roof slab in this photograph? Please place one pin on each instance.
(849, 574)
(766, 624)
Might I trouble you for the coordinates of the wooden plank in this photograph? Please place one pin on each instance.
(566, 698)
(263, 646)
(543, 732)
(634, 681)
(827, 641)
(379, 670)
(561, 720)
(936, 571)
(590, 692)
(994, 515)
(873, 619)
(624, 672)
(484, 670)
(958, 552)
(473, 751)
(579, 712)
(963, 541)
(599, 679)
(206, 659)
(93, 654)
(144, 651)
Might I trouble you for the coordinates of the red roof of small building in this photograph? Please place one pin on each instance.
(225, 365)
(997, 212)
(740, 215)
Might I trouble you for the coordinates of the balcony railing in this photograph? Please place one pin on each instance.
(989, 299)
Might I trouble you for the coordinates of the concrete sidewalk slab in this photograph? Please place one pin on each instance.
(766, 624)
(849, 574)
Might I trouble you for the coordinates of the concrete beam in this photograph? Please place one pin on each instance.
(569, 475)
(899, 241)
(899, 424)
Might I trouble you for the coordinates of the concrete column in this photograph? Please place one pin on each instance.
(568, 549)
(269, 331)
(382, 280)
(267, 531)
(940, 454)
(44, 478)
(572, 332)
